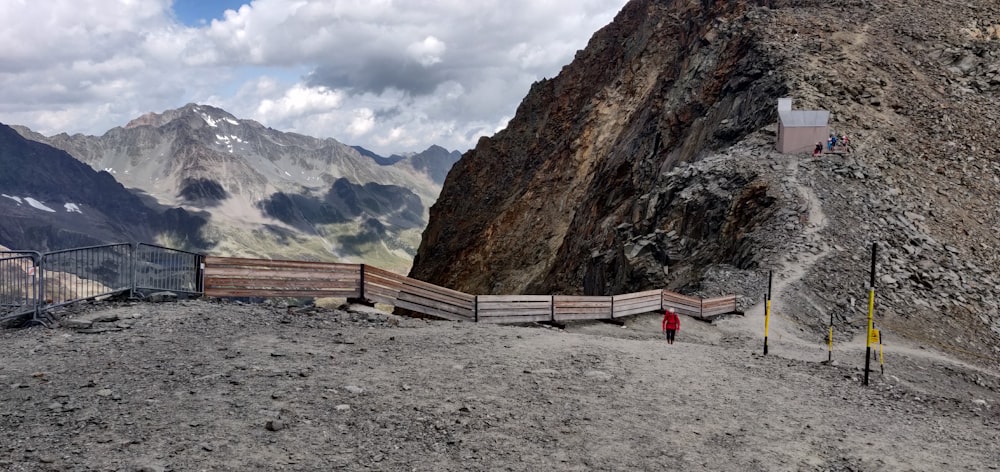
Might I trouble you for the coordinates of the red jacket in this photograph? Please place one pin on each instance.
(671, 321)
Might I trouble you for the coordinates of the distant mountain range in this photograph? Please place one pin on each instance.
(256, 191)
(49, 200)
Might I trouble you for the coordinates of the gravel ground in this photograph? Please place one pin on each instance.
(204, 385)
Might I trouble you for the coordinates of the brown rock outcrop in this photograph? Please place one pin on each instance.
(524, 211)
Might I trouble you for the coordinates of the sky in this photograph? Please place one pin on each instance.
(392, 76)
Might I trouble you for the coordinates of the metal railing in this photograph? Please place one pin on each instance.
(158, 268)
(32, 283)
(83, 273)
(19, 286)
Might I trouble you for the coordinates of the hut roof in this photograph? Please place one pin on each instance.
(804, 118)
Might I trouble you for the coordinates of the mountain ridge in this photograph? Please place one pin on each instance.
(204, 158)
(51, 201)
(649, 162)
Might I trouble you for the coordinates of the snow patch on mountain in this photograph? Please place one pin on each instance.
(37, 204)
(70, 207)
(208, 119)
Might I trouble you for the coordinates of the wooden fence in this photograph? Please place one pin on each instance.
(236, 277)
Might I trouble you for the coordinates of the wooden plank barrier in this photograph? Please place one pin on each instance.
(513, 308)
(239, 277)
(682, 304)
(568, 307)
(382, 286)
(712, 307)
(635, 303)
(441, 302)
(411, 294)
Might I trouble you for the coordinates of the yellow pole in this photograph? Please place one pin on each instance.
(767, 318)
(829, 352)
(767, 308)
(830, 346)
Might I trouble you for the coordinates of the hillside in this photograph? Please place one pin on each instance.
(649, 162)
(51, 201)
(269, 193)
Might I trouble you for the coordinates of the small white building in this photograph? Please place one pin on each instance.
(800, 130)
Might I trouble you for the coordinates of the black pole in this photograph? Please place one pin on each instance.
(767, 308)
(871, 303)
(881, 359)
(829, 352)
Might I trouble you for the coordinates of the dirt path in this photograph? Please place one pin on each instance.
(785, 335)
(206, 386)
(783, 331)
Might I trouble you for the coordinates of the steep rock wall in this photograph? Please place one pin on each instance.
(542, 204)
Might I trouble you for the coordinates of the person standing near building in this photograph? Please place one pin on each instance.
(671, 324)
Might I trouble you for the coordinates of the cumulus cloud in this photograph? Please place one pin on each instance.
(427, 52)
(299, 101)
(391, 76)
(363, 122)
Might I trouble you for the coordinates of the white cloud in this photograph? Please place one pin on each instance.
(394, 75)
(363, 122)
(298, 101)
(427, 52)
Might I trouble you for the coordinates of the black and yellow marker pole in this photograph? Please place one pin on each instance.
(767, 309)
(829, 342)
(881, 356)
(871, 315)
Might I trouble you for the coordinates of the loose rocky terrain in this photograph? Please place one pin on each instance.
(206, 385)
(649, 162)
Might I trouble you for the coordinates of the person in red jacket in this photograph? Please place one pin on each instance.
(671, 324)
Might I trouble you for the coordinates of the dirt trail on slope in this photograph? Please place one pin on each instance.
(785, 335)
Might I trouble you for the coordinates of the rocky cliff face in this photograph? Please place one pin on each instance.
(556, 199)
(649, 162)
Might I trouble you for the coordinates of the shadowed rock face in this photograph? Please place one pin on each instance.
(346, 201)
(556, 195)
(202, 192)
(73, 205)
